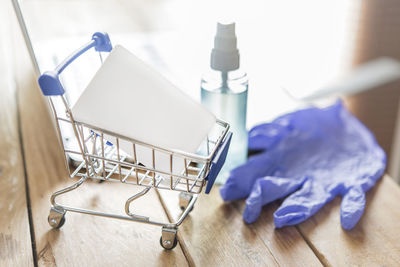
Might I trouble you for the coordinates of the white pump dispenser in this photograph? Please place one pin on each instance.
(225, 55)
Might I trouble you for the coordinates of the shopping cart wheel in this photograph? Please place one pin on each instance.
(56, 217)
(168, 239)
(184, 200)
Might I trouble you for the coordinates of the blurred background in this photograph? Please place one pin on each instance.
(290, 49)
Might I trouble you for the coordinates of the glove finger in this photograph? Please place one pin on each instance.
(352, 207)
(266, 190)
(264, 136)
(302, 204)
(242, 178)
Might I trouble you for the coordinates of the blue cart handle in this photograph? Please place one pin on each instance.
(218, 161)
(49, 81)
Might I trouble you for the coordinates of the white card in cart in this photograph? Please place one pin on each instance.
(129, 98)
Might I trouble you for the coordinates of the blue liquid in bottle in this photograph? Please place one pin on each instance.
(225, 94)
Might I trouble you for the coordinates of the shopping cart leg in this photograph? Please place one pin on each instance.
(131, 199)
(184, 200)
(169, 238)
(56, 216)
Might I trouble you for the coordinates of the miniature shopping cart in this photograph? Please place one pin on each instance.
(102, 158)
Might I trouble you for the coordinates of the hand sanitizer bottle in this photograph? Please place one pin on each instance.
(224, 92)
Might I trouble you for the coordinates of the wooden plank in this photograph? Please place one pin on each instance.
(286, 244)
(374, 241)
(15, 239)
(215, 235)
(83, 240)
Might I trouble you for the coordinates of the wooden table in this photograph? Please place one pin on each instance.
(32, 167)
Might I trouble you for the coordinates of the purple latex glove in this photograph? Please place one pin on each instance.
(314, 155)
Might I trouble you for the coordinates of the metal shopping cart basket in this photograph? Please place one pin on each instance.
(102, 158)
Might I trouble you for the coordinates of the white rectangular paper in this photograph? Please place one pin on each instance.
(128, 97)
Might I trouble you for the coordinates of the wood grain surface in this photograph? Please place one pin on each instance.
(15, 238)
(374, 241)
(215, 234)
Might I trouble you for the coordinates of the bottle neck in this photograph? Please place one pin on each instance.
(225, 82)
(224, 78)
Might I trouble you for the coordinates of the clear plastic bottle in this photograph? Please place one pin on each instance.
(224, 92)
